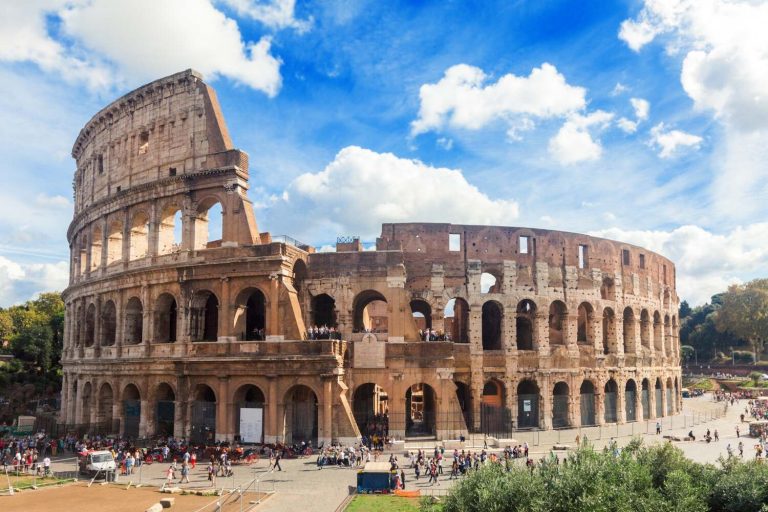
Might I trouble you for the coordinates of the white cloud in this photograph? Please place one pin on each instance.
(464, 99)
(668, 141)
(20, 282)
(638, 33)
(55, 201)
(642, 108)
(573, 143)
(445, 143)
(619, 88)
(113, 43)
(627, 125)
(361, 188)
(276, 14)
(706, 262)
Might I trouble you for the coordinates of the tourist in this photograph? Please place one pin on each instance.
(184, 473)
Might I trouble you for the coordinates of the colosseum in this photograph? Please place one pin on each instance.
(182, 318)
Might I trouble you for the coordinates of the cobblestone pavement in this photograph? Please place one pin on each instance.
(302, 486)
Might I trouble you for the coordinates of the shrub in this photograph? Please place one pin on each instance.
(744, 356)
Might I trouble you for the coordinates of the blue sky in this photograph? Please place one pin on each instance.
(639, 121)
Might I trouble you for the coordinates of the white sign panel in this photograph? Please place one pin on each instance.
(251, 425)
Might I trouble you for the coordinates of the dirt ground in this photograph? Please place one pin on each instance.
(103, 498)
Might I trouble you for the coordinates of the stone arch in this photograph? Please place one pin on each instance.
(610, 344)
(587, 403)
(561, 405)
(251, 315)
(369, 306)
(645, 329)
(209, 211)
(457, 310)
(104, 411)
(108, 324)
(493, 407)
(524, 319)
(422, 314)
(370, 407)
(165, 409)
(420, 410)
(299, 275)
(134, 322)
(324, 311)
(492, 319)
(610, 397)
(558, 313)
(301, 414)
(249, 396)
(114, 242)
(585, 319)
(527, 404)
(139, 236)
(204, 316)
(131, 398)
(629, 330)
(203, 414)
(90, 325)
(171, 227)
(96, 247)
(630, 400)
(166, 318)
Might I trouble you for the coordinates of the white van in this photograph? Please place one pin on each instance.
(97, 461)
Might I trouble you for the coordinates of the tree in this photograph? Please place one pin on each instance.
(744, 313)
(687, 352)
(685, 310)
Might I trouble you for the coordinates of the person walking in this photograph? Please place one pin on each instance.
(658, 428)
(277, 462)
(184, 473)
(402, 478)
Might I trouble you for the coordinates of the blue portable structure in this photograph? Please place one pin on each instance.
(376, 477)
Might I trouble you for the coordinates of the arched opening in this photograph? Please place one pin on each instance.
(493, 417)
(524, 317)
(611, 391)
(456, 315)
(489, 283)
(256, 316)
(492, 316)
(96, 248)
(134, 322)
(139, 236)
(422, 315)
(115, 243)
(658, 399)
(170, 230)
(645, 399)
(105, 407)
(527, 404)
(370, 312)
(249, 414)
(560, 406)
(420, 407)
(630, 400)
(299, 275)
(658, 340)
(370, 406)
(108, 324)
(323, 311)
(645, 329)
(608, 289)
(90, 325)
(165, 412)
(131, 411)
(587, 403)
(670, 404)
(609, 332)
(584, 323)
(166, 318)
(203, 424)
(557, 316)
(464, 397)
(82, 255)
(87, 398)
(204, 317)
(301, 415)
(629, 331)
(209, 225)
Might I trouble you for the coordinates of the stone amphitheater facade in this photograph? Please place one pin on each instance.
(169, 331)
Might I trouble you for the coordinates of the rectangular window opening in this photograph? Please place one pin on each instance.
(143, 143)
(454, 242)
(172, 171)
(665, 273)
(625, 256)
(642, 261)
(523, 242)
(100, 163)
(583, 256)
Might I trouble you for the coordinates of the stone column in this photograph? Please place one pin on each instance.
(153, 237)
(596, 328)
(97, 327)
(144, 421)
(104, 245)
(63, 412)
(273, 312)
(541, 333)
(651, 399)
(225, 327)
(574, 404)
(223, 407)
(79, 402)
(327, 430)
(271, 424)
(599, 403)
(621, 404)
(545, 393)
(126, 238)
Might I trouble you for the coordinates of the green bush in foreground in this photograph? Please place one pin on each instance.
(639, 478)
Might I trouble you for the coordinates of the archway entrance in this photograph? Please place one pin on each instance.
(249, 414)
(465, 404)
(630, 399)
(587, 403)
(645, 398)
(657, 397)
(166, 319)
(420, 408)
(422, 314)
(611, 390)
(456, 319)
(323, 311)
(493, 419)
(560, 405)
(527, 404)
(131, 411)
(104, 411)
(256, 317)
(670, 405)
(491, 325)
(301, 415)
(203, 424)
(165, 412)
(204, 317)
(370, 406)
(370, 312)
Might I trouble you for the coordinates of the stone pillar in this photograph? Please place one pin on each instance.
(145, 419)
(599, 403)
(223, 407)
(153, 237)
(545, 394)
(596, 328)
(621, 403)
(97, 327)
(651, 399)
(574, 405)
(104, 245)
(273, 313)
(178, 418)
(79, 402)
(571, 331)
(541, 333)
(146, 317)
(126, 237)
(271, 423)
(225, 327)
(327, 416)
(63, 412)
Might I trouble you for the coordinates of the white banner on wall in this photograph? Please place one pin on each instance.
(251, 425)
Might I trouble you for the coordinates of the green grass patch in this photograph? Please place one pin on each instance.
(23, 482)
(703, 384)
(382, 503)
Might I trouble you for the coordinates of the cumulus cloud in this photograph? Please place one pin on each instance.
(706, 262)
(574, 143)
(20, 282)
(464, 99)
(642, 108)
(111, 43)
(361, 188)
(668, 141)
(627, 125)
(276, 14)
(55, 201)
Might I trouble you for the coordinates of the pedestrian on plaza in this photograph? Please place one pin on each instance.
(741, 449)
(402, 478)
(658, 428)
(277, 462)
(184, 473)
(717, 436)
(738, 433)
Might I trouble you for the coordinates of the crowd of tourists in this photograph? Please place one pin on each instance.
(323, 332)
(375, 432)
(433, 335)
